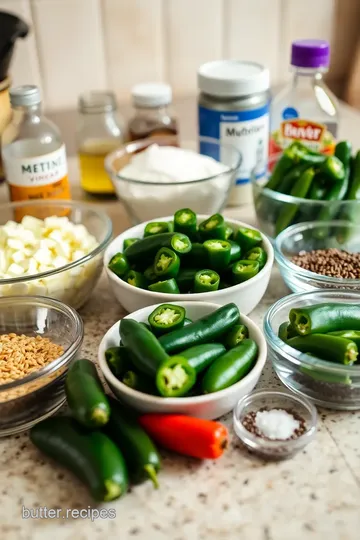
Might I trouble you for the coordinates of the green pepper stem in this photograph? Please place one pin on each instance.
(150, 470)
(113, 490)
(99, 416)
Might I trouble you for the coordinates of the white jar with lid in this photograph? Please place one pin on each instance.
(233, 108)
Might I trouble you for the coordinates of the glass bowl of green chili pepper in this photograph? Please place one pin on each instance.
(302, 185)
(313, 256)
(314, 344)
(205, 378)
(203, 265)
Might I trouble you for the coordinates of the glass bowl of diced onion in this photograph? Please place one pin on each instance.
(52, 248)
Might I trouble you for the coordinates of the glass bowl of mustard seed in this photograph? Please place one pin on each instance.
(320, 255)
(274, 424)
(39, 338)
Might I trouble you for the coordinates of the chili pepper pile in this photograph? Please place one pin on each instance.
(182, 257)
(327, 331)
(303, 173)
(174, 357)
(106, 446)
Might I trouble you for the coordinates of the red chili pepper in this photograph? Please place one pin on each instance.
(187, 435)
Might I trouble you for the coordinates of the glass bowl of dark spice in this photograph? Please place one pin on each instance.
(274, 425)
(327, 383)
(320, 255)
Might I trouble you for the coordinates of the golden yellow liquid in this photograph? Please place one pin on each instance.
(94, 178)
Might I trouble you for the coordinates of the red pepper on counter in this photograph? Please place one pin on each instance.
(203, 439)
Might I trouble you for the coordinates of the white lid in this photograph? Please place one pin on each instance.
(25, 95)
(151, 94)
(233, 78)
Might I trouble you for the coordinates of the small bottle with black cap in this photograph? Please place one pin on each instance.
(33, 151)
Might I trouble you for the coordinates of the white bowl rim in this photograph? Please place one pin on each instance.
(206, 398)
(206, 295)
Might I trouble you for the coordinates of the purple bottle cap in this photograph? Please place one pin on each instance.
(310, 53)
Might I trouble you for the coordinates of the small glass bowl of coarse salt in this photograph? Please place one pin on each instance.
(274, 424)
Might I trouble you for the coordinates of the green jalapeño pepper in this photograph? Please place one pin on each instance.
(248, 238)
(354, 188)
(185, 221)
(244, 270)
(257, 254)
(166, 318)
(166, 264)
(168, 286)
(235, 251)
(213, 227)
(175, 377)
(136, 279)
(201, 356)
(139, 382)
(146, 352)
(318, 189)
(129, 242)
(285, 331)
(146, 248)
(333, 168)
(185, 279)
(231, 367)
(228, 232)
(208, 328)
(218, 253)
(331, 348)
(324, 318)
(289, 179)
(196, 257)
(118, 360)
(301, 188)
(206, 281)
(150, 275)
(353, 335)
(238, 333)
(119, 265)
(285, 163)
(156, 227)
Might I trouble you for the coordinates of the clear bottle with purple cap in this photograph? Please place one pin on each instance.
(306, 110)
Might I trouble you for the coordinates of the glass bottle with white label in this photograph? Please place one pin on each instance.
(33, 152)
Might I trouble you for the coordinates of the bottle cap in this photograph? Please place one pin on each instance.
(232, 78)
(310, 53)
(25, 95)
(97, 102)
(151, 95)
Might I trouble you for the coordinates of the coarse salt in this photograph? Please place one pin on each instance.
(276, 424)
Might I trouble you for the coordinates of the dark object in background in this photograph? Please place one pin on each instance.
(11, 28)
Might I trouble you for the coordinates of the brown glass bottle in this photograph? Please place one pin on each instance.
(152, 118)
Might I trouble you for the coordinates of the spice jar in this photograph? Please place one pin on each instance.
(99, 132)
(152, 118)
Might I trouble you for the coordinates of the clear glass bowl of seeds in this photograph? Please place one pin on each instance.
(320, 255)
(327, 383)
(273, 424)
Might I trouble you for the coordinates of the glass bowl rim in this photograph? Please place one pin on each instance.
(144, 143)
(62, 203)
(70, 313)
(294, 268)
(296, 357)
(264, 444)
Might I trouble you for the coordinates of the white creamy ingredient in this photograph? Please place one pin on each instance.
(35, 246)
(276, 424)
(163, 164)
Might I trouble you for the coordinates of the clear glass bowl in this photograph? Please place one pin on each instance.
(268, 399)
(330, 385)
(314, 235)
(268, 205)
(148, 200)
(26, 401)
(74, 282)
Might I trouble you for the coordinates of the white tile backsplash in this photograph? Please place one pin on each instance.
(78, 45)
(69, 34)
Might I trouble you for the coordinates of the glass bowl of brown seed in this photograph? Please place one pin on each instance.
(320, 255)
(274, 424)
(39, 338)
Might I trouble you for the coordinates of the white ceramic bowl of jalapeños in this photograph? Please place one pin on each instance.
(245, 295)
(209, 406)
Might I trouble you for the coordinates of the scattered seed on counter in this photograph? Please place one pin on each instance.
(275, 424)
(331, 262)
(21, 355)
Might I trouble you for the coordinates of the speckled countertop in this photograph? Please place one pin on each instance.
(315, 495)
